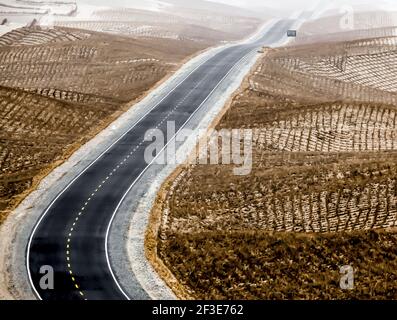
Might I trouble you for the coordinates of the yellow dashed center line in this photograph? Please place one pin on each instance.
(68, 247)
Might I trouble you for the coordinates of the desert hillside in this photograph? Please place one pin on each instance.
(323, 189)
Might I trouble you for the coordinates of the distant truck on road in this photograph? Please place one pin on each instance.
(291, 33)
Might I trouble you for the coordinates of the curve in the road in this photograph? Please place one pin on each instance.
(71, 235)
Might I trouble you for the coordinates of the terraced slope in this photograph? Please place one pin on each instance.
(32, 7)
(346, 25)
(18, 13)
(38, 36)
(58, 87)
(35, 132)
(322, 192)
(173, 24)
(78, 65)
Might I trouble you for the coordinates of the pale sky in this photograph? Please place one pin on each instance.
(304, 4)
(244, 3)
(285, 5)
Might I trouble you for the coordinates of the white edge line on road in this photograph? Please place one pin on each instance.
(147, 167)
(110, 147)
(96, 160)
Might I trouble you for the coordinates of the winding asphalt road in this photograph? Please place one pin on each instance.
(71, 235)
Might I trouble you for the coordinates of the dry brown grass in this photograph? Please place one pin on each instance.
(259, 265)
(322, 192)
(99, 69)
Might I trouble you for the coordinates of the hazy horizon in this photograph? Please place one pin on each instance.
(286, 4)
(283, 5)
